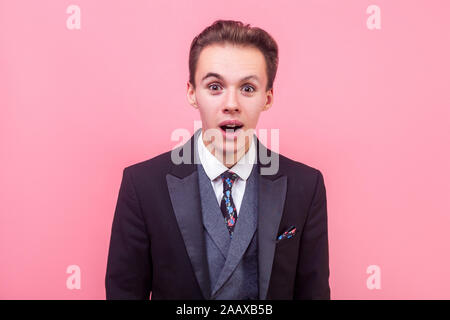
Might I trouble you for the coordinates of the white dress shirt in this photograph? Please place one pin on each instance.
(214, 168)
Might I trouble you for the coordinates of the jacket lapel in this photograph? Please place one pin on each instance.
(182, 182)
(272, 195)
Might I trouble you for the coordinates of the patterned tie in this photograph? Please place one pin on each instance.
(227, 205)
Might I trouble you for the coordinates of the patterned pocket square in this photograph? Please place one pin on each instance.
(289, 233)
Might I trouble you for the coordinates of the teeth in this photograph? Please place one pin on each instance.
(232, 125)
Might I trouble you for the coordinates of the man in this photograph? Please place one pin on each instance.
(210, 220)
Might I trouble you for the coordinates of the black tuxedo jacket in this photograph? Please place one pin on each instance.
(157, 242)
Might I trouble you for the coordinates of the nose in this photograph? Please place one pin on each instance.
(231, 103)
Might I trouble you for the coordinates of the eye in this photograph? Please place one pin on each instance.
(248, 88)
(214, 86)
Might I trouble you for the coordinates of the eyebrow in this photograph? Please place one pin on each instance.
(218, 76)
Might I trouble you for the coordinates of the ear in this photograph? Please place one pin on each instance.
(190, 94)
(269, 99)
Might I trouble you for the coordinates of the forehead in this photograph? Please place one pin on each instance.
(233, 62)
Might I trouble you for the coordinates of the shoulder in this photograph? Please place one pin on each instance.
(153, 168)
(300, 174)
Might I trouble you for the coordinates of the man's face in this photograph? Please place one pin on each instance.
(230, 85)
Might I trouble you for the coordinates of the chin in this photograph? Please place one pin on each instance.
(232, 149)
(224, 144)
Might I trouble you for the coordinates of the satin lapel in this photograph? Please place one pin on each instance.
(182, 183)
(271, 198)
(272, 195)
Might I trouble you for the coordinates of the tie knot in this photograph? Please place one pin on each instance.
(228, 178)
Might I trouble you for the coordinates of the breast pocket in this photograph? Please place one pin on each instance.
(286, 255)
(286, 242)
(288, 234)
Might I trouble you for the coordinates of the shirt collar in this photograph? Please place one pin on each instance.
(214, 168)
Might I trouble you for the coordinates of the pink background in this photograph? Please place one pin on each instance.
(369, 108)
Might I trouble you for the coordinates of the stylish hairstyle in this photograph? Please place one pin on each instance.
(235, 32)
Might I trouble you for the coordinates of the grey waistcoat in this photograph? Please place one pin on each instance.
(232, 263)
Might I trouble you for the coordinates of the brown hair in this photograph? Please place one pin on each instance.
(235, 32)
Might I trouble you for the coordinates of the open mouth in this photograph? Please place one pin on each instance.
(231, 127)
